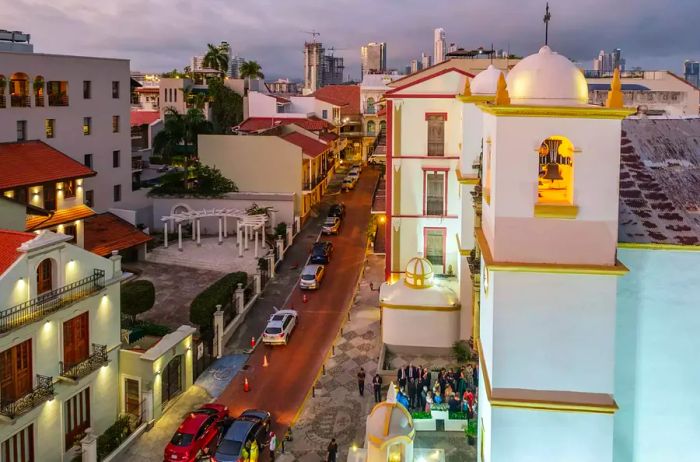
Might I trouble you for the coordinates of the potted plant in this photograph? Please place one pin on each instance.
(470, 431)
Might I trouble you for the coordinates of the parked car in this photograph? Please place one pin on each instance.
(349, 183)
(337, 210)
(311, 276)
(356, 167)
(331, 225)
(251, 425)
(279, 327)
(321, 252)
(198, 431)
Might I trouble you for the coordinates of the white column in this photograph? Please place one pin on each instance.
(256, 243)
(262, 237)
(179, 237)
(219, 331)
(246, 235)
(271, 265)
(273, 219)
(240, 248)
(89, 446)
(238, 233)
(221, 237)
(194, 229)
(257, 279)
(165, 234)
(225, 226)
(199, 233)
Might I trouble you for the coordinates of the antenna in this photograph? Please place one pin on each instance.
(491, 52)
(313, 33)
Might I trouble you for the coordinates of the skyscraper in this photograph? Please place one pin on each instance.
(425, 60)
(415, 66)
(321, 69)
(373, 58)
(691, 72)
(439, 46)
(606, 63)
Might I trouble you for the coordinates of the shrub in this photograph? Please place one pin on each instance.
(113, 437)
(137, 297)
(418, 415)
(461, 351)
(458, 415)
(221, 292)
(281, 229)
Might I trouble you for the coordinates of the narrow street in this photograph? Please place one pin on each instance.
(282, 387)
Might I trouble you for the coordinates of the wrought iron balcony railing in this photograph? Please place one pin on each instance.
(58, 99)
(20, 100)
(41, 393)
(97, 359)
(50, 302)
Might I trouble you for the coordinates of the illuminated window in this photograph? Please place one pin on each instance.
(115, 124)
(371, 127)
(435, 192)
(68, 189)
(50, 128)
(555, 176)
(87, 125)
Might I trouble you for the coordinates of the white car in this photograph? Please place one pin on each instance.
(279, 327)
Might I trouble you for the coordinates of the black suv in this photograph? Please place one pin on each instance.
(321, 252)
(337, 210)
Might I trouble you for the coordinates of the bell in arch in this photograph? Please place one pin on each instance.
(553, 172)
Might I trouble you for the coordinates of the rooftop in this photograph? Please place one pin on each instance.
(144, 117)
(107, 232)
(254, 124)
(345, 96)
(309, 146)
(35, 162)
(9, 243)
(58, 217)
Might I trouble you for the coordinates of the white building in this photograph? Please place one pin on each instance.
(439, 45)
(59, 344)
(78, 105)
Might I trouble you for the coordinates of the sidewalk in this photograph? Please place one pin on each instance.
(338, 411)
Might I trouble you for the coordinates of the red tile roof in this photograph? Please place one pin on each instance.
(106, 232)
(59, 217)
(35, 162)
(144, 117)
(254, 124)
(148, 90)
(9, 242)
(309, 146)
(328, 136)
(346, 96)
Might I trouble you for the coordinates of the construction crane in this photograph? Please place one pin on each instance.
(313, 33)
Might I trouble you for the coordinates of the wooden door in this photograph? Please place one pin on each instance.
(76, 343)
(436, 135)
(16, 372)
(44, 282)
(132, 403)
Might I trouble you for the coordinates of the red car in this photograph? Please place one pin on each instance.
(198, 431)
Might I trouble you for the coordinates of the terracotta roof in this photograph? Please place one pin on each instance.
(35, 162)
(107, 232)
(254, 124)
(660, 181)
(328, 136)
(282, 99)
(309, 146)
(144, 117)
(9, 243)
(148, 90)
(381, 112)
(346, 96)
(59, 217)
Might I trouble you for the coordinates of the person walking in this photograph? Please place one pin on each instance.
(412, 389)
(361, 381)
(273, 446)
(377, 385)
(332, 451)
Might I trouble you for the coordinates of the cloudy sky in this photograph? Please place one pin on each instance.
(158, 35)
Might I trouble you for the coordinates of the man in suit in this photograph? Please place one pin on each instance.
(377, 385)
(412, 389)
(361, 381)
(401, 377)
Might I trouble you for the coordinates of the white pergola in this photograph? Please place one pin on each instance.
(248, 227)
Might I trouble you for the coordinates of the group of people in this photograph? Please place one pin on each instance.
(454, 387)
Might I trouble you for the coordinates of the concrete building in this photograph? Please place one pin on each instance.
(321, 69)
(416, 66)
(16, 41)
(59, 346)
(79, 106)
(691, 72)
(439, 45)
(426, 61)
(606, 63)
(373, 58)
(283, 86)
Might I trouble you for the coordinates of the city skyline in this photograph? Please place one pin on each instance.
(263, 34)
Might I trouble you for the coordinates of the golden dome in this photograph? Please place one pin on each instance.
(419, 273)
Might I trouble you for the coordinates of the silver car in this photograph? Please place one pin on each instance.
(279, 327)
(311, 276)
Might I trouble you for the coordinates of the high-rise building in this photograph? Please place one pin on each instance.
(606, 63)
(439, 46)
(453, 47)
(234, 66)
(321, 69)
(425, 60)
(416, 66)
(691, 72)
(373, 58)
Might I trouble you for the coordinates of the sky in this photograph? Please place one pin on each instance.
(159, 35)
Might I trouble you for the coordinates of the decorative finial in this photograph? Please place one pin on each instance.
(467, 88)
(502, 96)
(547, 18)
(615, 98)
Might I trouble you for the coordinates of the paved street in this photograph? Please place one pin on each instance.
(282, 387)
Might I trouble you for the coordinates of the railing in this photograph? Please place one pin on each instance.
(41, 393)
(97, 359)
(3, 101)
(50, 302)
(19, 100)
(58, 100)
(39, 100)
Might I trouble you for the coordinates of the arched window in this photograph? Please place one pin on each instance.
(44, 277)
(3, 86)
(39, 91)
(556, 171)
(382, 125)
(371, 127)
(370, 105)
(19, 90)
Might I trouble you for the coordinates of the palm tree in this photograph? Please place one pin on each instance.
(179, 130)
(251, 70)
(216, 58)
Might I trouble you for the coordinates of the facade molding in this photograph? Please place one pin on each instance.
(582, 112)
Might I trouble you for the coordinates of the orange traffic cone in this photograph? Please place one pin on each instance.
(304, 298)
(252, 342)
(246, 387)
(265, 364)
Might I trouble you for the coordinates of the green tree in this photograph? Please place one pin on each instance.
(216, 58)
(226, 107)
(205, 181)
(137, 297)
(179, 129)
(251, 70)
(174, 74)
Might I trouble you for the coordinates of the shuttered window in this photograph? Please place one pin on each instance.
(19, 447)
(436, 135)
(76, 417)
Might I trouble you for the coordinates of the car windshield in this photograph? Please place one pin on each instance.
(318, 251)
(277, 317)
(230, 447)
(273, 330)
(182, 439)
(308, 277)
(330, 220)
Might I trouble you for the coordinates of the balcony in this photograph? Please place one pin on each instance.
(50, 302)
(20, 101)
(40, 394)
(59, 99)
(75, 372)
